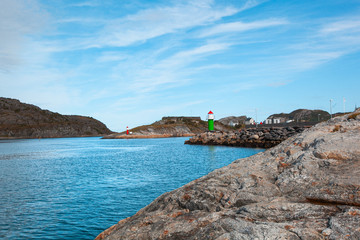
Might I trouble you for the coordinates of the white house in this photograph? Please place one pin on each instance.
(273, 121)
(268, 121)
(276, 120)
(249, 121)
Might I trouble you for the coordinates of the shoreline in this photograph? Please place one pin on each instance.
(147, 136)
(19, 138)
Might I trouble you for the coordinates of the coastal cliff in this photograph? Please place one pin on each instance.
(307, 187)
(21, 120)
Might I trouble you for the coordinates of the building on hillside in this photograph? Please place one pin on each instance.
(268, 121)
(276, 120)
(273, 120)
(249, 121)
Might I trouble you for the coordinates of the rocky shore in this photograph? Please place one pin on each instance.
(307, 187)
(252, 137)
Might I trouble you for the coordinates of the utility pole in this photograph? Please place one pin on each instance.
(256, 115)
(344, 104)
(330, 108)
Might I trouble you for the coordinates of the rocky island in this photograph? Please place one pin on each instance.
(307, 187)
(21, 120)
(169, 127)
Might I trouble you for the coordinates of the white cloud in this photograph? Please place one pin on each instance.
(112, 57)
(242, 27)
(86, 4)
(151, 23)
(171, 72)
(19, 21)
(334, 39)
(342, 26)
(309, 60)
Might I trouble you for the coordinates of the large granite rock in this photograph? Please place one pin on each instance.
(307, 187)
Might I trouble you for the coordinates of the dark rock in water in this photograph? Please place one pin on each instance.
(21, 120)
(307, 187)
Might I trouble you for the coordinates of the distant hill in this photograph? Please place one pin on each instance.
(170, 127)
(21, 120)
(232, 121)
(303, 115)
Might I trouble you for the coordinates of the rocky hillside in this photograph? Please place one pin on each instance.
(21, 120)
(303, 115)
(227, 121)
(170, 127)
(307, 187)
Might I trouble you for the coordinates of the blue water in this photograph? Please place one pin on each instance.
(74, 188)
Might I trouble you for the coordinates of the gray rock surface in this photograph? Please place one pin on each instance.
(21, 120)
(307, 187)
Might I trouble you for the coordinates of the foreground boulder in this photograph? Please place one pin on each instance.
(307, 187)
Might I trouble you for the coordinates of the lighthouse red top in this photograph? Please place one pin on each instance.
(210, 112)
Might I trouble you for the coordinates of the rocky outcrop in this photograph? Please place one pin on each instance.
(307, 187)
(302, 115)
(233, 121)
(20, 120)
(169, 127)
(252, 137)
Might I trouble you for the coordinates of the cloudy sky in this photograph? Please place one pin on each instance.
(129, 63)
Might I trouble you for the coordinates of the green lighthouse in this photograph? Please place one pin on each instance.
(211, 121)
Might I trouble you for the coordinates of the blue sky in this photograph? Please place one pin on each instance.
(129, 63)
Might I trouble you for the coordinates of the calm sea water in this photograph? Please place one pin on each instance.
(74, 188)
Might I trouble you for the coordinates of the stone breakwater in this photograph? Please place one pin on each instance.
(252, 137)
(307, 187)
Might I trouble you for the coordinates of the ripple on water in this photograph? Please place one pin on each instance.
(74, 188)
